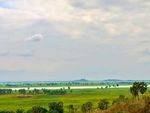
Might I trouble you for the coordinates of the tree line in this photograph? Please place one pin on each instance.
(35, 91)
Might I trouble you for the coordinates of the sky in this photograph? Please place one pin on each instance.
(74, 39)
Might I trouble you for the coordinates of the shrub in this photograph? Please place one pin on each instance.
(103, 104)
(72, 108)
(56, 107)
(121, 98)
(19, 111)
(37, 109)
(87, 107)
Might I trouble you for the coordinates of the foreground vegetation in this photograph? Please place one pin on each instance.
(141, 105)
(105, 100)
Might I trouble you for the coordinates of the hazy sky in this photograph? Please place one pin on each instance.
(73, 39)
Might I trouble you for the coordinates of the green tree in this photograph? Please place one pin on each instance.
(22, 91)
(142, 87)
(135, 89)
(138, 87)
(117, 85)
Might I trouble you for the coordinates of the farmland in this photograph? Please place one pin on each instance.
(26, 98)
(76, 97)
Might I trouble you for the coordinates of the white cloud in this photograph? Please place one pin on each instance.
(35, 38)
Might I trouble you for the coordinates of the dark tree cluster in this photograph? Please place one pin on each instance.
(138, 87)
(54, 92)
(5, 91)
(22, 91)
(35, 91)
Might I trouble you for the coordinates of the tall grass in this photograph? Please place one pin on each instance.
(139, 105)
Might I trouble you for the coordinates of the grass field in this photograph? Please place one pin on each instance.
(77, 97)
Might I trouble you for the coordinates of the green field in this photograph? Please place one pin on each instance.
(77, 97)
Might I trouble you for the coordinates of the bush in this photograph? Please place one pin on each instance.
(56, 107)
(19, 111)
(103, 104)
(37, 109)
(121, 98)
(87, 107)
(72, 109)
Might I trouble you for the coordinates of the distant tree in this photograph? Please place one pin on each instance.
(113, 85)
(69, 88)
(28, 87)
(103, 104)
(117, 85)
(5, 91)
(54, 92)
(36, 91)
(106, 87)
(22, 91)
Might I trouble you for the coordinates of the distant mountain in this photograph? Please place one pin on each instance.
(112, 80)
(117, 80)
(81, 80)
